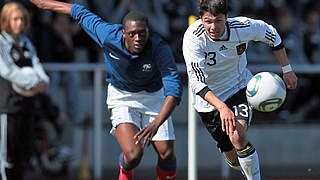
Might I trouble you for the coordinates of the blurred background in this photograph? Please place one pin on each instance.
(287, 140)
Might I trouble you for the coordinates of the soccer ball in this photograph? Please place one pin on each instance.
(266, 91)
(26, 93)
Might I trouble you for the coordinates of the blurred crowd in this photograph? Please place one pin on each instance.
(298, 24)
(57, 37)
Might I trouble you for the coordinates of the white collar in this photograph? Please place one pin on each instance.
(10, 39)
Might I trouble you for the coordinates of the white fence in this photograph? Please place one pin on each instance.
(99, 69)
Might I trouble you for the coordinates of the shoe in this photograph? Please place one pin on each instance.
(125, 175)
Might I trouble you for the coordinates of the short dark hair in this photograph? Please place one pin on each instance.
(134, 16)
(214, 7)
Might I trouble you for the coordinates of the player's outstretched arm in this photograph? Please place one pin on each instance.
(59, 7)
(289, 76)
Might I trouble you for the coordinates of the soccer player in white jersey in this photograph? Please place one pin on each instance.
(214, 50)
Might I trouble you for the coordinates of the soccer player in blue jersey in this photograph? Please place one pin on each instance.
(143, 89)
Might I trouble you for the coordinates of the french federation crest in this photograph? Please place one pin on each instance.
(146, 68)
(241, 48)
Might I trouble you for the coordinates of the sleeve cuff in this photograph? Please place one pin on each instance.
(278, 47)
(203, 92)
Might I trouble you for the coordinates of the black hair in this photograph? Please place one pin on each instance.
(134, 16)
(214, 7)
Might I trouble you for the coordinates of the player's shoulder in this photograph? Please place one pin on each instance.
(196, 29)
(239, 22)
(157, 40)
(243, 22)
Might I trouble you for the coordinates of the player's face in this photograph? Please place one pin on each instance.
(214, 25)
(135, 34)
(16, 22)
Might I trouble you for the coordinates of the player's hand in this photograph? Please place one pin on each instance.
(147, 133)
(228, 120)
(290, 79)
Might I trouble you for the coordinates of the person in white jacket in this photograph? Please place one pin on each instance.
(214, 51)
(16, 110)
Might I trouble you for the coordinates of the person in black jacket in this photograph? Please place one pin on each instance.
(16, 110)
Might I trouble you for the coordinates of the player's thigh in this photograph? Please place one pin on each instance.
(164, 149)
(212, 122)
(124, 134)
(125, 124)
(243, 114)
(239, 105)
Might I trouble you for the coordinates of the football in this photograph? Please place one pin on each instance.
(266, 91)
(22, 91)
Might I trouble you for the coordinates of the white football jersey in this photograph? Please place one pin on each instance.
(222, 64)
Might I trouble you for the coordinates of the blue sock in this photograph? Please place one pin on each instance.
(168, 166)
(123, 164)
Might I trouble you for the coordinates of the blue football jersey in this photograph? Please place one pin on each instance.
(149, 71)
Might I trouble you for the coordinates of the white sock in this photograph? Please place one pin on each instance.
(250, 166)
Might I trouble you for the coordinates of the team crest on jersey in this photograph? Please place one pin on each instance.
(241, 48)
(146, 68)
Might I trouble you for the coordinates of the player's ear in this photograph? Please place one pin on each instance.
(123, 32)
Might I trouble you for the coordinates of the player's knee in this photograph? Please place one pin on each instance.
(165, 151)
(134, 157)
(239, 138)
(167, 155)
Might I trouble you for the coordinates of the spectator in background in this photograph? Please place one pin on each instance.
(61, 50)
(311, 49)
(82, 40)
(112, 10)
(17, 111)
(153, 9)
(289, 28)
(311, 37)
(178, 12)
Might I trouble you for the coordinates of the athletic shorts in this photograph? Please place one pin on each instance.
(242, 110)
(140, 109)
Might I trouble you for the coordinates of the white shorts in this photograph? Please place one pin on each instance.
(140, 109)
